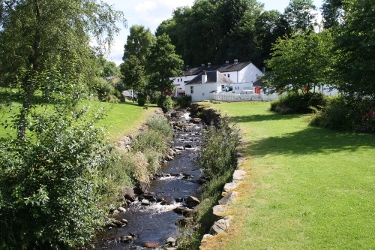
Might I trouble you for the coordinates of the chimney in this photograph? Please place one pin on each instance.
(208, 64)
(204, 77)
(235, 61)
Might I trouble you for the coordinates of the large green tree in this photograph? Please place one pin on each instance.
(301, 15)
(38, 37)
(332, 12)
(355, 48)
(301, 62)
(163, 63)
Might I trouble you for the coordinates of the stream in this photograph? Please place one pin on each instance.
(151, 219)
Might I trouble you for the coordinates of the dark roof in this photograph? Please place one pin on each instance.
(228, 67)
(212, 77)
(259, 83)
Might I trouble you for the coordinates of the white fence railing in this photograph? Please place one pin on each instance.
(231, 97)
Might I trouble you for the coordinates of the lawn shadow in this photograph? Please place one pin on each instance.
(265, 117)
(312, 140)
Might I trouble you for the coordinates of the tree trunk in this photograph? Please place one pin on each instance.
(29, 84)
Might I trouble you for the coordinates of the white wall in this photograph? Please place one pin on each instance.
(179, 82)
(202, 91)
(248, 74)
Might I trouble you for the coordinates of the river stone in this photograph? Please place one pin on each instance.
(142, 187)
(220, 226)
(218, 210)
(121, 209)
(171, 241)
(126, 238)
(152, 244)
(129, 194)
(239, 175)
(165, 202)
(192, 202)
(145, 202)
(228, 198)
(230, 186)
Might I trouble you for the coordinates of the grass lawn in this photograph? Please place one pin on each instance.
(121, 119)
(306, 188)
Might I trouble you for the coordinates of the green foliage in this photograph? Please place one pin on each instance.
(52, 183)
(184, 101)
(227, 30)
(219, 149)
(154, 143)
(354, 47)
(165, 103)
(341, 113)
(218, 161)
(300, 103)
(106, 90)
(141, 101)
(162, 64)
(160, 124)
(301, 62)
(300, 15)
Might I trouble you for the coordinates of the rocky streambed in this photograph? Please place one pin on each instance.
(151, 213)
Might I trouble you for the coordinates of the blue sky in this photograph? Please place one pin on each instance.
(150, 13)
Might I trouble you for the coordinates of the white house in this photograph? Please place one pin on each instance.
(237, 72)
(204, 85)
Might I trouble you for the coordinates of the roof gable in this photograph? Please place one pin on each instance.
(212, 77)
(227, 67)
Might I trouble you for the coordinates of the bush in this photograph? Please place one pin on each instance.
(343, 113)
(160, 123)
(300, 103)
(219, 149)
(141, 101)
(51, 184)
(184, 101)
(165, 103)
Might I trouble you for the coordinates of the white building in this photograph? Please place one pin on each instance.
(236, 72)
(204, 85)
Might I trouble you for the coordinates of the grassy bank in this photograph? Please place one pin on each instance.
(306, 188)
(120, 119)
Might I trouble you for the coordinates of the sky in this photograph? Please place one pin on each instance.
(150, 13)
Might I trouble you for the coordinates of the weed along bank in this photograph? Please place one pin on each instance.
(164, 211)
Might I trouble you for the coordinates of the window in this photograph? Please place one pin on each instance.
(228, 75)
(178, 80)
(191, 89)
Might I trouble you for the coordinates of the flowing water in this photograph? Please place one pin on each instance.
(151, 225)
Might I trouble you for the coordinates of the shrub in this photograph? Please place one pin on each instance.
(184, 101)
(160, 123)
(299, 103)
(165, 103)
(141, 101)
(343, 113)
(219, 149)
(51, 184)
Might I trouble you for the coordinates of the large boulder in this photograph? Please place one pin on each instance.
(192, 202)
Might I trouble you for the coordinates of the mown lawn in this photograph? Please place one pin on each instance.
(120, 119)
(306, 188)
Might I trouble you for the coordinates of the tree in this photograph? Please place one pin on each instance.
(354, 49)
(301, 62)
(138, 43)
(134, 75)
(300, 14)
(36, 40)
(163, 63)
(270, 26)
(332, 12)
